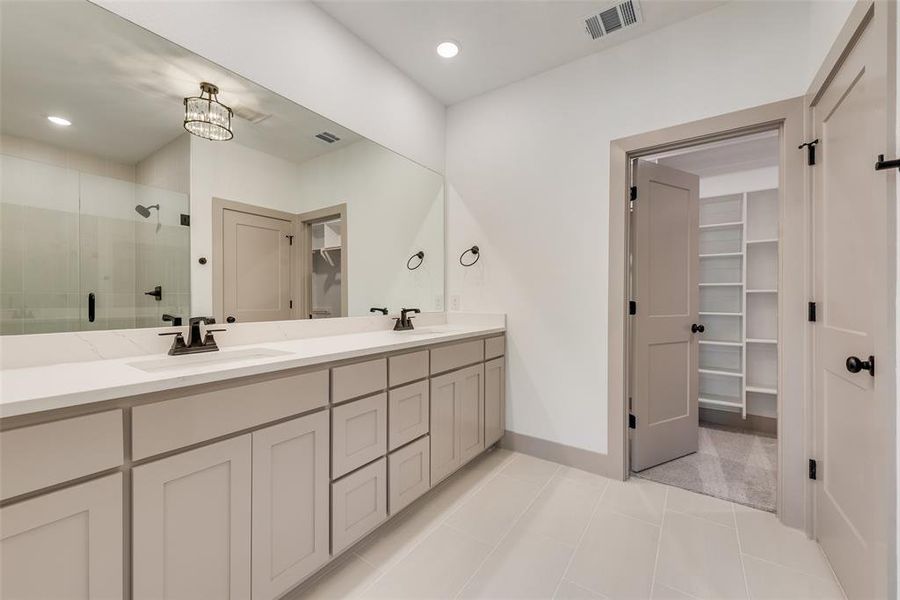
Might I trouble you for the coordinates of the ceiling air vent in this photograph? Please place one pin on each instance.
(619, 16)
(327, 137)
(249, 114)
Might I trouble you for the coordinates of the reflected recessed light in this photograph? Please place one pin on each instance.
(59, 121)
(448, 49)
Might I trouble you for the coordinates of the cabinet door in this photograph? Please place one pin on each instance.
(444, 428)
(66, 544)
(470, 399)
(494, 401)
(290, 503)
(191, 524)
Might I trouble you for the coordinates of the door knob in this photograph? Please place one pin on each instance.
(697, 328)
(230, 319)
(854, 365)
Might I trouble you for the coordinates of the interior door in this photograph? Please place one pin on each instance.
(665, 278)
(854, 408)
(256, 267)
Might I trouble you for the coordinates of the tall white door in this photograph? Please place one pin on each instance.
(665, 350)
(256, 267)
(854, 405)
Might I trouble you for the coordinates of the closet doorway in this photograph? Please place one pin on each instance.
(704, 347)
(323, 262)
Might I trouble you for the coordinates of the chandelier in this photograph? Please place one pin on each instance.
(206, 117)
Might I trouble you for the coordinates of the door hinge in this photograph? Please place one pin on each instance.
(290, 239)
(633, 195)
(290, 304)
(632, 421)
(632, 307)
(811, 312)
(810, 151)
(812, 468)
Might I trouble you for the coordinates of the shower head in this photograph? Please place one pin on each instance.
(144, 211)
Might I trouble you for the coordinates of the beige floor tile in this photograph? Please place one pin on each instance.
(664, 592)
(522, 566)
(769, 581)
(700, 558)
(561, 511)
(530, 468)
(347, 577)
(636, 498)
(437, 568)
(571, 591)
(488, 513)
(616, 556)
(763, 536)
(698, 505)
(583, 477)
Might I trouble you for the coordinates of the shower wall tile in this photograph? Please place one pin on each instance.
(12, 309)
(12, 247)
(50, 251)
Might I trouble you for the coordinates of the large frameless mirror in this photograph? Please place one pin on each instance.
(142, 184)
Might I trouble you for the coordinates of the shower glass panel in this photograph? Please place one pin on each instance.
(70, 240)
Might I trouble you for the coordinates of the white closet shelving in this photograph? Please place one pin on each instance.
(738, 298)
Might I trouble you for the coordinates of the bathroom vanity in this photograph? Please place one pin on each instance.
(242, 485)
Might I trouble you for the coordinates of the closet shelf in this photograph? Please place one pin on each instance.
(758, 389)
(722, 225)
(721, 254)
(721, 314)
(720, 343)
(327, 249)
(737, 284)
(760, 291)
(717, 400)
(761, 341)
(765, 241)
(721, 372)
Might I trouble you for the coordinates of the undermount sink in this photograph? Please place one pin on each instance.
(211, 359)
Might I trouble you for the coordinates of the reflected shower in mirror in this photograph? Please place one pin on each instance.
(124, 196)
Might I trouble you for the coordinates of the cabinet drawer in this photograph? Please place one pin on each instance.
(408, 367)
(454, 356)
(35, 457)
(407, 413)
(494, 347)
(186, 420)
(409, 471)
(358, 433)
(358, 504)
(358, 379)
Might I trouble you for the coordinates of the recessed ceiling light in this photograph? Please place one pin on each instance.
(448, 49)
(59, 121)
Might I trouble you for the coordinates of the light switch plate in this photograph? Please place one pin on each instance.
(454, 302)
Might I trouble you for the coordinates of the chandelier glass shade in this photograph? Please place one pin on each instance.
(206, 117)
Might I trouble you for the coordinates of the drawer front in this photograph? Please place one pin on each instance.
(407, 413)
(409, 472)
(455, 356)
(408, 367)
(179, 422)
(358, 504)
(358, 379)
(358, 433)
(494, 347)
(35, 457)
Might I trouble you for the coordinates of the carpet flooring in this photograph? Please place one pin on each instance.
(735, 466)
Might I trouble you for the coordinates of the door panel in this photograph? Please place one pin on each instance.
(494, 401)
(445, 456)
(664, 387)
(853, 410)
(257, 267)
(470, 398)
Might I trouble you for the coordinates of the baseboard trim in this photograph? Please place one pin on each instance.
(753, 423)
(579, 458)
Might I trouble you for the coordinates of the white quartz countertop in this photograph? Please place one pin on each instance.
(40, 388)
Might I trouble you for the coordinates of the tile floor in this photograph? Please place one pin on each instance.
(513, 526)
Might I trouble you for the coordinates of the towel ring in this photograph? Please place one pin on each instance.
(420, 255)
(474, 251)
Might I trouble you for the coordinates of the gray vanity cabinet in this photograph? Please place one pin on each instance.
(63, 543)
(191, 525)
(290, 504)
(457, 420)
(494, 400)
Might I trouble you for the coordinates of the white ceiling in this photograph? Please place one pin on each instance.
(754, 151)
(122, 87)
(501, 41)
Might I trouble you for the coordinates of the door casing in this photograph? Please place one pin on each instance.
(794, 495)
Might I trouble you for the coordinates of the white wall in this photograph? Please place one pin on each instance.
(298, 51)
(528, 180)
